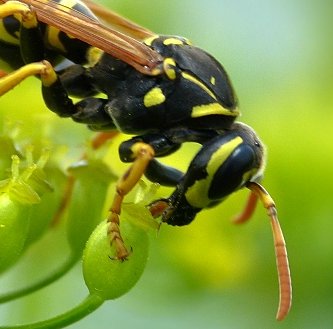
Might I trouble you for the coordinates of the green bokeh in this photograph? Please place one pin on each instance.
(213, 274)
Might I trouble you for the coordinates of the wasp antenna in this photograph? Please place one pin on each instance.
(283, 270)
(282, 262)
(248, 210)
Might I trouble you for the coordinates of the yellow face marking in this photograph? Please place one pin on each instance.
(172, 41)
(197, 194)
(248, 175)
(212, 81)
(168, 67)
(212, 108)
(153, 97)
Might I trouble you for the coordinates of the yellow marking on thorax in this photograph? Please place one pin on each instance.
(172, 41)
(150, 40)
(153, 97)
(197, 194)
(212, 108)
(168, 66)
(191, 78)
(249, 175)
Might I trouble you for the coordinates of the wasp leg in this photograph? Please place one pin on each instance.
(155, 171)
(141, 151)
(89, 111)
(32, 49)
(30, 36)
(164, 143)
(76, 81)
(11, 80)
(31, 40)
(142, 154)
(14, 7)
(74, 78)
(159, 173)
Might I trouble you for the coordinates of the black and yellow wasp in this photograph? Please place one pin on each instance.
(161, 89)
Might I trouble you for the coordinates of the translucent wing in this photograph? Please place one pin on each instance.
(119, 22)
(93, 32)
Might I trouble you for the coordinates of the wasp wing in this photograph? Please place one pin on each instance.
(110, 17)
(90, 30)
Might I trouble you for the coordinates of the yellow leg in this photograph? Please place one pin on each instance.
(280, 251)
(143, 154)
(14, 7)
(21, 11)
(11, 80)
(28, 18)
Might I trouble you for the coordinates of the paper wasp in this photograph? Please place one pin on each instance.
(161, 89)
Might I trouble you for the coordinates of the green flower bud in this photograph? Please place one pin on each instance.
(91, 182)
(16, 197)
(111, 278)
(41, 213)
(14, 226)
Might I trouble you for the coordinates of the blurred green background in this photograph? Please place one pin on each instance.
(213, 274)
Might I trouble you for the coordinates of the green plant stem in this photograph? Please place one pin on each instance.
(90, 304)
(52, 277)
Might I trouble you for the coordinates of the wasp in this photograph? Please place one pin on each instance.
(160, 89)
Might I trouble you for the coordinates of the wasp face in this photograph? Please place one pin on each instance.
(223, 165)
